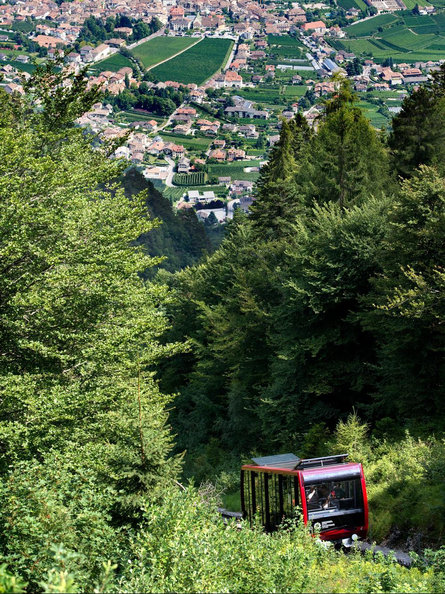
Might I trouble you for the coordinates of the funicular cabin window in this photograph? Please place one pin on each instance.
(270, 495)
(335, 503)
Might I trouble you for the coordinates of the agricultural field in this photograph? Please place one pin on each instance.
(9, 34)
(371, 111)
(137, 116)
(197, 178)
(112, 63)
(410, 4)
(196, 64)
(22, 67)
(260, 94)
(294, 91)
(370, 26)
(404, 37)
(193, 143)
(235, 170)
(159, 49)
(24, 26)
(282, 40)
(347, 4)
(285, 46)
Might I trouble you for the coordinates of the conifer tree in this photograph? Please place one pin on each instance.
(346, 160)
(406, 307)
(418, 134)
(277, 200)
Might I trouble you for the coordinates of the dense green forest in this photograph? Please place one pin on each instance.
(329, 298)
(317, 325)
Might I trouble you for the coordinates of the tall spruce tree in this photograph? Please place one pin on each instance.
(346, 161)
(418, 133)
(277, 201)
(406, 307)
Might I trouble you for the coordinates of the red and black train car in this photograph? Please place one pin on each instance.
(329, 492)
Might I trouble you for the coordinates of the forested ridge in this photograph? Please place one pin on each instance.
(316, 326)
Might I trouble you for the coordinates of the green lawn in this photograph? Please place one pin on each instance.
(158, 49)
(112, 63)
(197, 64)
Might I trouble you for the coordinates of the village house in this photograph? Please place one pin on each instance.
(248, 131)
(234, 154)
(316, 26)
(244, 109)
(195, 196)
(86, 53)
(393, 78)
(183, 165)
(187, 111)
(180, 24)
(116, 42)
(48, 42)
(100, 52)
(324, 88)
(14, 89)
(175, 150)
(218, 155)
(125, 31)
(257, 55)
(182, 128)
(241, 186)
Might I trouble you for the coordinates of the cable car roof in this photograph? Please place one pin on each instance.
(289, 461)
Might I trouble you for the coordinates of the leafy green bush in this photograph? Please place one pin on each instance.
(404, 479)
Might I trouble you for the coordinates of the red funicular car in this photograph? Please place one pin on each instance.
(329, 492)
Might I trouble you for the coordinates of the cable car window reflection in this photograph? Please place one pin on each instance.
(334, 495)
